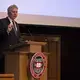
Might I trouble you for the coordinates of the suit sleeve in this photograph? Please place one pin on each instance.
(1, 28)
(3, 32)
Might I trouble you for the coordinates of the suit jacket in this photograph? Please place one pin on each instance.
(7, 39)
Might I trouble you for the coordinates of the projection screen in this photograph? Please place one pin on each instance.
(45, 12)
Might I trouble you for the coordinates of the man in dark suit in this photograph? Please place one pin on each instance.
(9, 32)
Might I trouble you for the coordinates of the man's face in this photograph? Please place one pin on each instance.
(13, 13)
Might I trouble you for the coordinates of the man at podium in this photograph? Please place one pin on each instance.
(9, 32)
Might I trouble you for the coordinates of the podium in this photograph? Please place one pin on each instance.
(6, 76)
(17, 62)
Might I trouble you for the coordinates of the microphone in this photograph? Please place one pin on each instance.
(29, 33)
(32, 37)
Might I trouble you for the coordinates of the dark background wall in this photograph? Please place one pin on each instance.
(70, 46)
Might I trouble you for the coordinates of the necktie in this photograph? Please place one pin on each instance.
(14, 27)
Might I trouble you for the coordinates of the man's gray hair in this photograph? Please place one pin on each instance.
(11, 7)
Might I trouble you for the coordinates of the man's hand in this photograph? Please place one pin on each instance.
(9, 27)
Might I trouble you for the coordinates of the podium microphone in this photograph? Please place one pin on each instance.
(30, 34)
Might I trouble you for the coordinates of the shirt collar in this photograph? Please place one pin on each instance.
(10, 20)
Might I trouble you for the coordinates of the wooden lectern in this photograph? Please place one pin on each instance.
(7, 77)
(16, 62)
